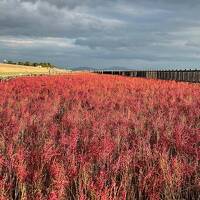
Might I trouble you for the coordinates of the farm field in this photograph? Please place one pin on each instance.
(7, 70)
(99, 137)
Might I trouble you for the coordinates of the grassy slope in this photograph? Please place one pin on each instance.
(17, 70)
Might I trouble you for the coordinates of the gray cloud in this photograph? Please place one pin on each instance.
(71, 4)
(101, 32)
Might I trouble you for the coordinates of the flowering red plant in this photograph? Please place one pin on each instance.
(88, 136)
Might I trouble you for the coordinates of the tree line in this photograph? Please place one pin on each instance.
(33, 64)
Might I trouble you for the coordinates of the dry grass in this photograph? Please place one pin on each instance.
(18, 70)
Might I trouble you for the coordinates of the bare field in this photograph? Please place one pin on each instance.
(18, 70)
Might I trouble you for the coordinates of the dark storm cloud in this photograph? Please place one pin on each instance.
(101, 32)
(44, 20)
(77, 3)
(71, 4)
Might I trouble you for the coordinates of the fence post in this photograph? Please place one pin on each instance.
(132, 74)
(185, 75)
(171, 73)
(190, 76)
(181, 75)
(196, 77)
(176, 75)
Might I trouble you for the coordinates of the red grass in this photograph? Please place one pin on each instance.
(99, 137)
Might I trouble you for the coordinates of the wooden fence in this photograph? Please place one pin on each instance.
(177, 75)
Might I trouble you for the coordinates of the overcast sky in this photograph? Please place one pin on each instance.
(102, 33)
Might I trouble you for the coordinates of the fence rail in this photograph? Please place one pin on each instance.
(177, 75)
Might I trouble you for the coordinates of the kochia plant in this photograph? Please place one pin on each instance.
(99, 137)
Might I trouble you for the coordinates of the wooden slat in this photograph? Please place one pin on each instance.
(177, 75)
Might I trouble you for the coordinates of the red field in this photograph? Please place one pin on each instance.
(99, 137)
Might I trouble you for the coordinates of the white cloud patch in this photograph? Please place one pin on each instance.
(36, 42)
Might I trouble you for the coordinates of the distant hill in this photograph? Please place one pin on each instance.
(105, 68)
(97, 68)
(116, 68)
(82, 68)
